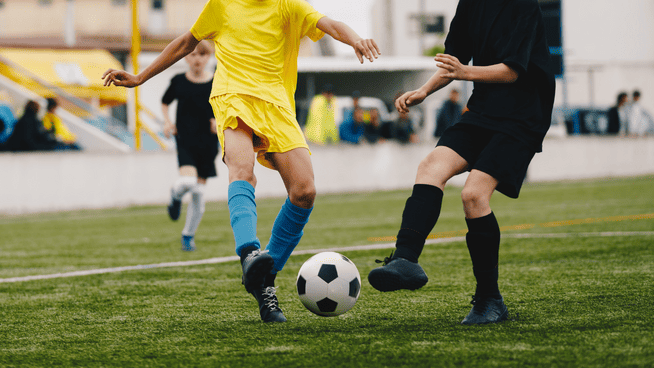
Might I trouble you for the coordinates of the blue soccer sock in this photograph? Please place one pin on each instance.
(287, 232)
(243, 214)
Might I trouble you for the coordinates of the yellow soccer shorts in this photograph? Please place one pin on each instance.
(275, 128)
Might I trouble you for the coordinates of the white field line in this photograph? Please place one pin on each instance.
(307, 251)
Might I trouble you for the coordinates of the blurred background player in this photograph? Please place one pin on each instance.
(321, 121)
(510, 111)
(195, 135)
(257, 45)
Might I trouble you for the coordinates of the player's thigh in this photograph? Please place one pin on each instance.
(440, 165)
(188, 170)
(239, 153)
(296, 171)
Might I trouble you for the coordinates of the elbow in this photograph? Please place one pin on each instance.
(511, 75)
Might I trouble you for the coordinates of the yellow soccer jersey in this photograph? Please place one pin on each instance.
(257, 44)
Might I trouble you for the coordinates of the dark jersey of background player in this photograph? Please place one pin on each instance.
(511, 32)
(193, 114)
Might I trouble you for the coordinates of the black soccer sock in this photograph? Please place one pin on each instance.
(483, 239)
(418, 219)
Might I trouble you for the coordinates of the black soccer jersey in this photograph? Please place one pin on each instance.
(193, 111)
(512, 32)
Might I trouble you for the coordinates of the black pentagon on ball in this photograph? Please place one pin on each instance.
(328, 273)
(326, 305)
(302, 285)
(346, 259)
(355, 285)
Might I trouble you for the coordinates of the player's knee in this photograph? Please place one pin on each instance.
(303, 195)
(237, 173)
(430, 172)
(473, 198)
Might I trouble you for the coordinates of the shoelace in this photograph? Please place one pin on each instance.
(270, 298)
(386, 260)
(251, 255)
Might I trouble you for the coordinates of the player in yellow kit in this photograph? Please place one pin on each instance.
(257, 44)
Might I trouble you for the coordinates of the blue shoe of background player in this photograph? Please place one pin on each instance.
(188, 243)
(174, 208)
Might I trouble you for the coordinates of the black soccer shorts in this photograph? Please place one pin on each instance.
(497, 154)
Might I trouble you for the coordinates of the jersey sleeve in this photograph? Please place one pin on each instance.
(169, 96)
(207, 24)
(516, 47)
(458, 42)
(304, 17)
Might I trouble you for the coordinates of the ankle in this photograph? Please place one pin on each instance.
(246, 251)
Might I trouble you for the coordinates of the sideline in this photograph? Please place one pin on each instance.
(449, 234)
(306, 251)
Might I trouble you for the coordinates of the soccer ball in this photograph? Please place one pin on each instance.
(328, 284)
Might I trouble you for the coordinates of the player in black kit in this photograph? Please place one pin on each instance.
(509, 113)
(195, 135)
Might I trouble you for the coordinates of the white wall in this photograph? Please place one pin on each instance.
(35, 182)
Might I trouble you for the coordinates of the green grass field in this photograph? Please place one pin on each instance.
(582, 298)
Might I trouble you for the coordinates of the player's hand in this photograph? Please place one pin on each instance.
(366, 48)
(119, 78)
(169, 129)
(453, 67)
(408, 99)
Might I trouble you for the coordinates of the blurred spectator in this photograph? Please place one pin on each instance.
(53, 124)
(28, 134)
(372, 130)
(8, 121)
(351, 129)
(349, 112)
(618, 115)
(640, 121)
(403, 129)
(321, 122)
(449, 113)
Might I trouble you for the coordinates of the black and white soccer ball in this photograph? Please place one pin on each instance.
(328, 284)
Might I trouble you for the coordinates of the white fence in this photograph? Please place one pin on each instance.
(33, 182)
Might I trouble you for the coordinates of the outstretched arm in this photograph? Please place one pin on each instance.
(175, 51)
(411, 98)
(449, 69)
(342, 32)
(497, 73)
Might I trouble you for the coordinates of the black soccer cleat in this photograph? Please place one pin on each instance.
(397, 274)
(255, 268)
(268, 304)
(486, 310)
(174, 208)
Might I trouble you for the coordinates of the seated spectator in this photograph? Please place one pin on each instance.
(351, 129)
(56, 127)
(8, 121)
(449, 114)
(618, 116)
(403, 129)
(28, 134)
(640, 121)
(372, 130)
(2, 132)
